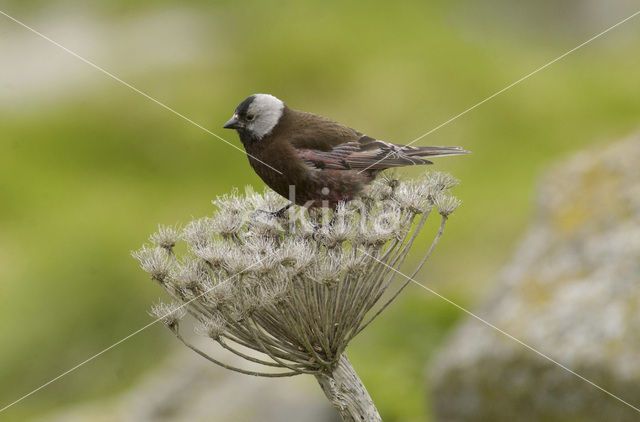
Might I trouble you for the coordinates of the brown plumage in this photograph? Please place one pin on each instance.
(325, 161)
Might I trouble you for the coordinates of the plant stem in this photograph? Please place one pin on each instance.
(347, 394)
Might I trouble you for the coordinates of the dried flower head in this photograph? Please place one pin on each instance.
(446, 204)
(212, 253)
(155, 261)
(441, 181)
(340, 228)
(296, 288)
(191, 274)
(414, 196)
(169, 313)
(166, 237)
(213, 327)
(296, 254)
(199, 232)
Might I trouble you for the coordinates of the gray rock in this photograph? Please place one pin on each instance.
(187, 388)
(572, 291)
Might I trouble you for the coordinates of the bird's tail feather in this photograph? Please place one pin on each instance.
(434, 151)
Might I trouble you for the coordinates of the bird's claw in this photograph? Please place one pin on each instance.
(276, 214)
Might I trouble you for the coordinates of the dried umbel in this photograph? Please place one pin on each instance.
(297, 288)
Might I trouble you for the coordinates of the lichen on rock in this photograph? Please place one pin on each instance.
(572, 292)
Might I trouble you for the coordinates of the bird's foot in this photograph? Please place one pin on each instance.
(314, 234)
(277, 214)
(318, 227)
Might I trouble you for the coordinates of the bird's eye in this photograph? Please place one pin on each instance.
(250, 117)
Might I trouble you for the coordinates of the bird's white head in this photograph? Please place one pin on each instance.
(257, 115)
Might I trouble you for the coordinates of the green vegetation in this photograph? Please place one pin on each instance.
(83, 181)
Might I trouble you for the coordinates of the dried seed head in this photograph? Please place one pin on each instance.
(296, 254)
(217, 296)
(227, 224)
(307, 280)
(391, 179)
(439, 181)
(335, 234)
(169, 314)
(237, 261)
(378, 190)
(213, 253)
(382, 226)
(413, 196)
(154, 261)
(340, 228)
(304, 226)
(247, 303)
(446, 204)
(166, 237)
(231, 203)
(325, 272)
(260, 246)
(267, 201)
(264, 224)
(274, 293)
(191, 275)
(213, 327)
(354, 265)
(199, 232)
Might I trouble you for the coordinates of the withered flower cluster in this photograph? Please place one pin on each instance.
(295, 289)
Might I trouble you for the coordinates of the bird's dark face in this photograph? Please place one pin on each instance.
(256, 116)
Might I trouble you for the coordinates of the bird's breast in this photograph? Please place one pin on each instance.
(287, 174)
(277, 167)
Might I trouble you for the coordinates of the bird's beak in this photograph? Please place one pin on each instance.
(233, 123)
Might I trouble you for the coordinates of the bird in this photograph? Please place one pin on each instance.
(312, 160)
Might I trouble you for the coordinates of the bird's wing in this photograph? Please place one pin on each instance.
(318, 133)
(373, 154)
(325, 144)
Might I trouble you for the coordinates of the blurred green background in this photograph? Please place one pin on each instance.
(88, 168)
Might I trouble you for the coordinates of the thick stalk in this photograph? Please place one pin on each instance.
(347, 394)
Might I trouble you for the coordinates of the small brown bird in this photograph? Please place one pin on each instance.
(325, 161)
